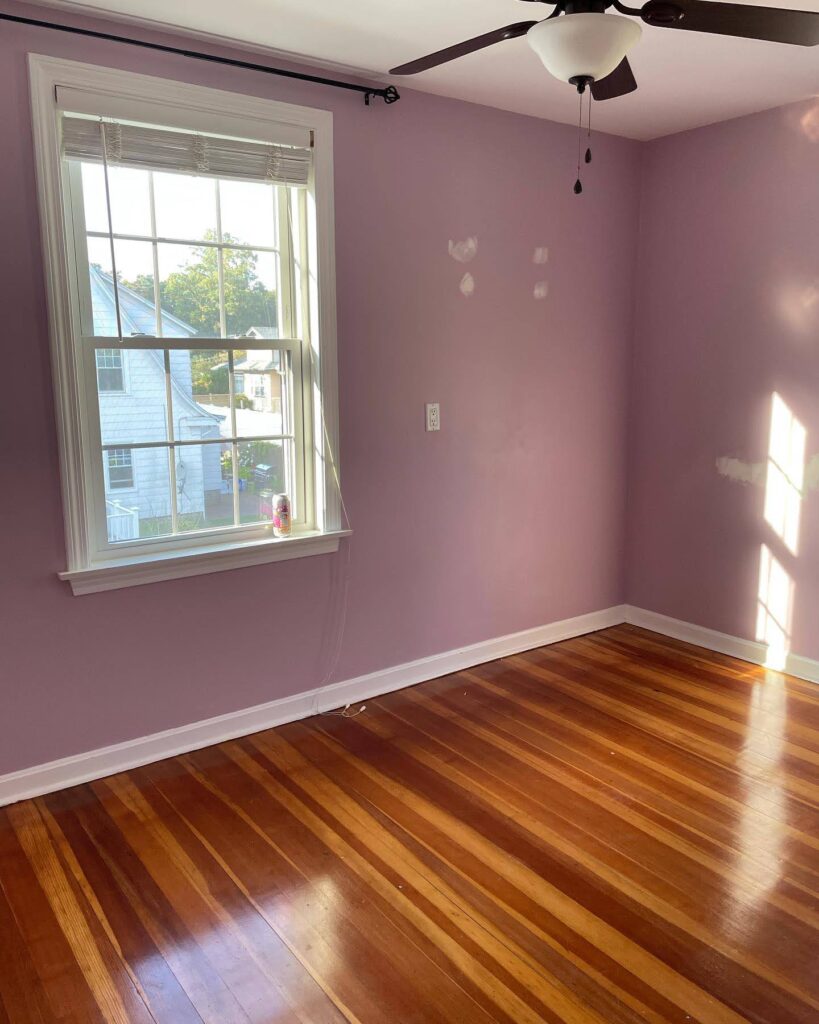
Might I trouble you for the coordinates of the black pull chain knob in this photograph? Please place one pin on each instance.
(578, 188)
(588, 156)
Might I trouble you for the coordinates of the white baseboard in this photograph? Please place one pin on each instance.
(96, 764)
(724, 643)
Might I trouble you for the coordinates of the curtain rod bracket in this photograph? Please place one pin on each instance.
(389, 94)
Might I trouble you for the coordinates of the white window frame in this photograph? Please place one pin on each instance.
(204, 109)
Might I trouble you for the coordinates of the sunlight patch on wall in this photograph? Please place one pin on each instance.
(786, 474)
(809, 123)
(799, 304)
(774, 609)
(541, 290)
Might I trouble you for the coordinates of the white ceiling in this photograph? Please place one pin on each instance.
(685, 79)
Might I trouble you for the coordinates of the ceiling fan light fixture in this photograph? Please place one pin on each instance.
(585, 45)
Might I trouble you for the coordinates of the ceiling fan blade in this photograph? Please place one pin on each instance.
(432, 60)
(800, 28)
(617, 83)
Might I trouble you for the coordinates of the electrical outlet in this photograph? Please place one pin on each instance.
(433, 416)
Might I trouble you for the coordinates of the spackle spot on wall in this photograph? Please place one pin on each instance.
(464, 252)
(741, 472)
(467, 285)
(756, 473)
(541, 254)
(541, 290)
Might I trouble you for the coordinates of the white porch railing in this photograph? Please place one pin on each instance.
(123, 523)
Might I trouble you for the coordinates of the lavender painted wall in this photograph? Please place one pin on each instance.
(728, 313)
(509, 518)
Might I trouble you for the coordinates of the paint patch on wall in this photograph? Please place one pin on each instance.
(756, 473)
(541, 254)
(541, 289)
(465, 251)
(467, 285)
(741, 472)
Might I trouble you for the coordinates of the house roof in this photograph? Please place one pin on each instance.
(255, 362)
(137, 313)
(262, 333)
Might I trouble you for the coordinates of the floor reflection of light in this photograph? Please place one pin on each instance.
(762, 822)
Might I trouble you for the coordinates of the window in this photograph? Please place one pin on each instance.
(120, 468)
(196, 252)
(109, 371)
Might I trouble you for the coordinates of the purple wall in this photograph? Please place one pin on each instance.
(511, 517)
(727, 313)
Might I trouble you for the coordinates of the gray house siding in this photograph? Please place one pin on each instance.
(136, 412)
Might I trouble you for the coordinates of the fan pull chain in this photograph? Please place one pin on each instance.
(578, 186)
(588, 135)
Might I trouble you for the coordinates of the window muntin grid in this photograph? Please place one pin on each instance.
(236, 447)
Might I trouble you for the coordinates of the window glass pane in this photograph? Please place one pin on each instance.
(251, 290)
(143, 509)
(248, 213)
(189, 290)
(136, 411)
(204, 491)
(93, 194)
(259, 389)
(135, 274)
(263, 473)
(130, 199)
(200, 394)
(185, 206)
(101, 283)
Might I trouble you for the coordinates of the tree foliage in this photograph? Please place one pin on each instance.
(191, 293)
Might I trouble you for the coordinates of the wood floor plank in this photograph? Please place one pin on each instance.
(616, 829)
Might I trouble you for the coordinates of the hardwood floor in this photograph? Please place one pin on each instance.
(616, 829)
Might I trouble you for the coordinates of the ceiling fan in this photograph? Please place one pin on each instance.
(581, 44)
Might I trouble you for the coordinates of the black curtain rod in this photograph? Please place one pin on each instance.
(389, 94)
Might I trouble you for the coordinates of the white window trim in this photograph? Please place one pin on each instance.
(46, 74)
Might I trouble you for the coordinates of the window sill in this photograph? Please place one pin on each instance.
(134, 572)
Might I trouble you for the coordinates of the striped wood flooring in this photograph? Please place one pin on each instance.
(612, 830)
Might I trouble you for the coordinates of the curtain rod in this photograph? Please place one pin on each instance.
(389, 94)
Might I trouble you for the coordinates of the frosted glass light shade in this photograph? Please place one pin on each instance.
(583, 44)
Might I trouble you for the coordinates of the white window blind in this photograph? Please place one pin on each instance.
(134, 145)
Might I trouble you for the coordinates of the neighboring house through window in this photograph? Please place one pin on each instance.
(109, 370)
(194, 229)
(120, 468)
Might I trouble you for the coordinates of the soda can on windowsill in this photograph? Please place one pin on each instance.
(281, 515)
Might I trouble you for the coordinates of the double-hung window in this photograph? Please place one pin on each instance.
(188, 243)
